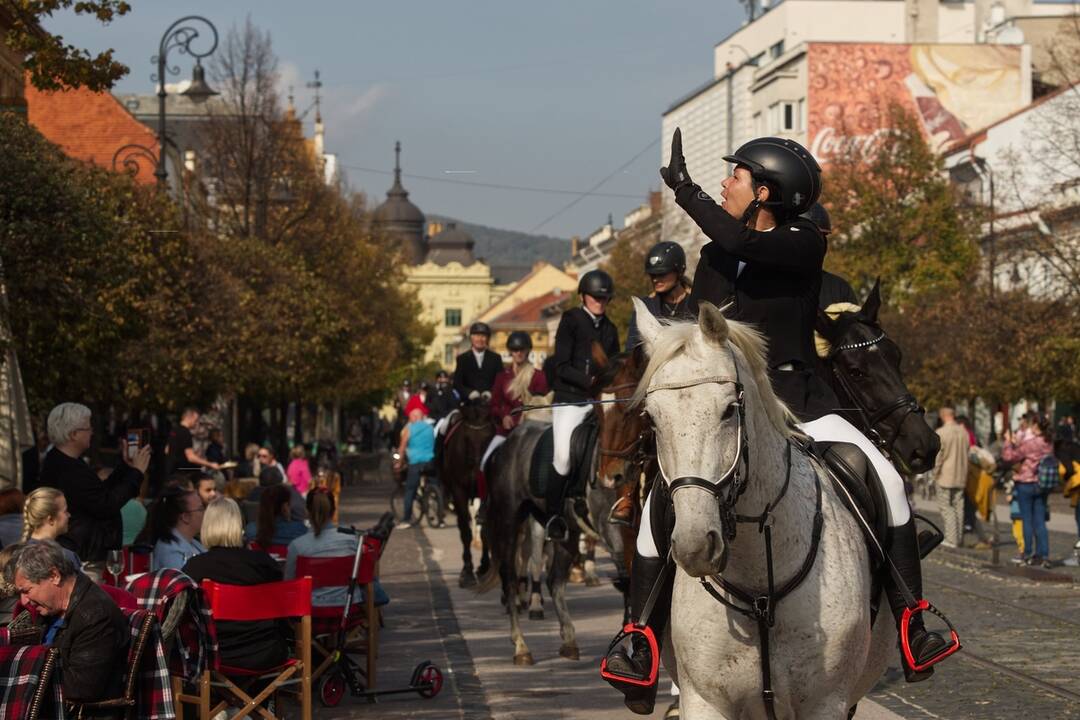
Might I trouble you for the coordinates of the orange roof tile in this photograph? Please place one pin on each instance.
(530, 311)
(89, 126)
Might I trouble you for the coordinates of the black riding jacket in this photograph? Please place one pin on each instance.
(574, 368)
(835, 289)
(775, 289)
(441, 401)
(469, 377)
(660, 309)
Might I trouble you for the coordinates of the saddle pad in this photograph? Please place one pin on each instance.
(582, 443)
(540, 469)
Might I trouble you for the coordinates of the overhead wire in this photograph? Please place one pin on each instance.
(495, 186)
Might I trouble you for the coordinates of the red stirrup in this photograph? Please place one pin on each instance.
(951, 646)
(628, 631)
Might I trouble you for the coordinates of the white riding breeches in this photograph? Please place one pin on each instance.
(492, 446)
(564, 419)
(829, 428)
(833, 428)
(440, 426)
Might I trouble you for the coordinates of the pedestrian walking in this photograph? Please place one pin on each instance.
(950, 475)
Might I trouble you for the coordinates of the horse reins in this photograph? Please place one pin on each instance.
(906, 402)
(759, 607)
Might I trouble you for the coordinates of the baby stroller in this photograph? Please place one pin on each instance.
(345, 671)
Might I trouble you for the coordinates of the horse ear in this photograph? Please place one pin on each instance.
(712, 323)
(825, 325)
(599, 357)
(648, 327)
(873, 302)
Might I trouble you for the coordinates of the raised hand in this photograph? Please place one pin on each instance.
(675, 174)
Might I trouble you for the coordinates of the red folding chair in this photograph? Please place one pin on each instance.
(268, 601)
(278, 551)
(326, 621)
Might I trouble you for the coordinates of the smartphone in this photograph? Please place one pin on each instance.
(136, 438)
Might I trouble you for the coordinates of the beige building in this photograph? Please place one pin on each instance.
(453, 287)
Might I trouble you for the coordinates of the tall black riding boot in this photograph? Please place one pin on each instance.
(904, 551)
(554, 499)
(641, 698)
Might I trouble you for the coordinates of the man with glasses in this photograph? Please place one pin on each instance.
(96, 525)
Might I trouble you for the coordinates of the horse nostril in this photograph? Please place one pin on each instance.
(617, 478)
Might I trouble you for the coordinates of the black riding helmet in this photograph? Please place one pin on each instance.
(480, 328)
(518, 340)
(665, 257)
(818, 215)
(598, 284)
(791, 173)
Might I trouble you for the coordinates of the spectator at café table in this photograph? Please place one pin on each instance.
(180, 450)
(271, 474)
(299, 472)
(207, 488)
(323, 540)
(172, 525)
(46, 517)
(250, 466)
(96, 526)
(11, 516)
(215, 448)
(78, 618)
(274, 526)
(255, 644)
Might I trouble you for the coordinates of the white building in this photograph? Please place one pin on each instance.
(821, 71)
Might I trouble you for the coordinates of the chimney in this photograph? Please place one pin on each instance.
(575, 241)
(655, 199)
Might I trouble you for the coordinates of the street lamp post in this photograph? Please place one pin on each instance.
(180, 35)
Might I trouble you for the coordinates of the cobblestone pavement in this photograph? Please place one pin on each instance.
(1019, 630)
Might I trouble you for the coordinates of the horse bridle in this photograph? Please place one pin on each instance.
(633, 448)
(905, 402)
(760, 607)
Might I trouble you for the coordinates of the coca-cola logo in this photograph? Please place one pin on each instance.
(830, 143)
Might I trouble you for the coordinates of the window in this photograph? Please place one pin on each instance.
(783, 117)
(448, 354)
(776, 50)
(452, 317)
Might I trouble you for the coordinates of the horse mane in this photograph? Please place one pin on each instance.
(610, 371)
(675, 336)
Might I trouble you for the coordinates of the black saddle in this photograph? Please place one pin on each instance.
(582, 443)
(859, 488)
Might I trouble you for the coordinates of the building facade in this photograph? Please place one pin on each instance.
(821, 72)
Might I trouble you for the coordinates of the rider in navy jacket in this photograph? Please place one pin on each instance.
(472, 377)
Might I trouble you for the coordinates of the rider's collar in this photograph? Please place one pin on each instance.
(595, 318)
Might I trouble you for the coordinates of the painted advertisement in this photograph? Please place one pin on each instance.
(954, 90)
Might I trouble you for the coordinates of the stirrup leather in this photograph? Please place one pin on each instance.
(629, 631)
(952, 645)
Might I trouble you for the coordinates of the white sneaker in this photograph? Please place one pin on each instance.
(404, 525)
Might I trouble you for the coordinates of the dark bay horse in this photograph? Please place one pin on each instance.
(466, 440)
(864, 368)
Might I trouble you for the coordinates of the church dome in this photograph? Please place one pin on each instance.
(400, 218)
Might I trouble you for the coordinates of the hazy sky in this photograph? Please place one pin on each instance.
(556, 94)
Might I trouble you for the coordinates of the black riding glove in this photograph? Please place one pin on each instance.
(675, 174)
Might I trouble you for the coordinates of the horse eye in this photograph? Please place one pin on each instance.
(728, 412)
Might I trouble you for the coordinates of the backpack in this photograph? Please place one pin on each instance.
(1048, 474)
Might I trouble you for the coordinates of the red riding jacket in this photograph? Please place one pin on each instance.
(501, 402)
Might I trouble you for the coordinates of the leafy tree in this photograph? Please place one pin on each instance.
(896, 216)
(52, 64)
(626, 265)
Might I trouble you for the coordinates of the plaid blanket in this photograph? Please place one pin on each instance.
(21, 672)
(153, 689)
(196, 640)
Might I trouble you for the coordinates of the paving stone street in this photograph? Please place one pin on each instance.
(1019, 631)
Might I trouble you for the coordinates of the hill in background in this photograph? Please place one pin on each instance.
(511, 254)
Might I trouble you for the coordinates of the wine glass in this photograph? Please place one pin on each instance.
(114, 563)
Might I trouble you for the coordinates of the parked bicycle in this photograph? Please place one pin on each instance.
(428, 502)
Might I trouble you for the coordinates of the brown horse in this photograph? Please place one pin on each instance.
(466, 440)
(626, 456)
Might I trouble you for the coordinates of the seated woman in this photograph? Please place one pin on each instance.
(45, 517)
(274, 526)
(252, 645)
(323, 540)
(172, 524)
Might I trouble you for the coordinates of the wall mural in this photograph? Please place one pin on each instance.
(954, 90)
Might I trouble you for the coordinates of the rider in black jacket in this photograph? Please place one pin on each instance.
(665, 264)
(764, 266)
(477, 367)
(574, 376)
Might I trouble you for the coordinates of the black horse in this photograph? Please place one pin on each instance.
(464, 446)
(863, 366)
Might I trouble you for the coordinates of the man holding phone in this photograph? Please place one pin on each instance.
(180, 451)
